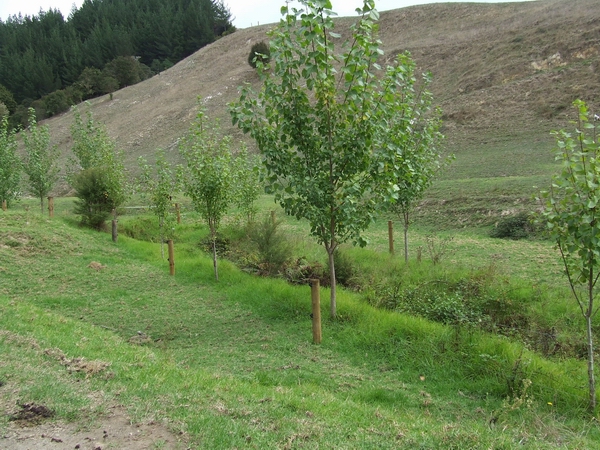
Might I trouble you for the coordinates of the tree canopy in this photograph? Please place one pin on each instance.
(331, 123)
(44, 53)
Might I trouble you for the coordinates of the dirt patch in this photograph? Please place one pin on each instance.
(81, 365)
(114, 431)
(31, 414)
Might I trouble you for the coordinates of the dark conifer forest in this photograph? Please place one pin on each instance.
(50, 62)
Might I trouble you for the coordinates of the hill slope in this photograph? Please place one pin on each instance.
(505, 71)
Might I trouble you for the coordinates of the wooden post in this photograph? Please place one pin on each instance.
(171, 257)
(4, 207)
(177, 210)
(391, 236)
(115, 232)
(272, 216)
(316, 310)
(51, 207)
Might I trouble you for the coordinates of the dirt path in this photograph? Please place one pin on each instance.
(112, 432)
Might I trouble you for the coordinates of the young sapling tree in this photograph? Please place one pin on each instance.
(10, 164)
(571, 213)
(160, 190)
(420, 158)
(322, 123)
(40, 162)
(247, 183)
(208, 175)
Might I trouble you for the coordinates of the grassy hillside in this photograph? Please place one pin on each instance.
(231, 364)
(504, 75)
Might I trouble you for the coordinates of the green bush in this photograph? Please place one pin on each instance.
(93, 203)
(7, 98)
(514, 227)
(56, 102)
(141, 228)
(273, 249)
(438, 305)
(259, 52)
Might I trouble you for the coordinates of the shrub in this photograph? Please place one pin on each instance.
(300, 271)
(272, 246)
(141, 228)
(259, 52)
(438, 305)
(94, 203)
(7, 98)
(514, 227)
(56, 102)
(437, 247)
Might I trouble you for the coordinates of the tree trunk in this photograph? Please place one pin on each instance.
(589, 313)
(391, 236)
(213, 234)
(406, 223)
(333, 305)
(405, 244)
(590, 345)
(162, 238)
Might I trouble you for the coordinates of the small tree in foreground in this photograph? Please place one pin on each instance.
(208, 175)
(40, 159)
(572, 216)
(331, 131)
(160, 190)
(10, 164)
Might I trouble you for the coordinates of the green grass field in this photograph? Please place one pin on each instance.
(232, 364)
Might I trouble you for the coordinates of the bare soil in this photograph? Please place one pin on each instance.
(33, 429)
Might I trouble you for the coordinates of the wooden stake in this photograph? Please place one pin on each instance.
(171, 257)
(391, 236)
(51, 207)
(4, 207)
(316, 310)
(115, 231)
(177, 210)
(272, 216)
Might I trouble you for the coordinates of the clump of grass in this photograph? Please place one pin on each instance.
(263, 248)
(143, 228)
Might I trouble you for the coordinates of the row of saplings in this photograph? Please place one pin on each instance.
(471, 300)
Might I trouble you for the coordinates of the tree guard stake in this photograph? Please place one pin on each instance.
(51, 207)
(171, 257)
